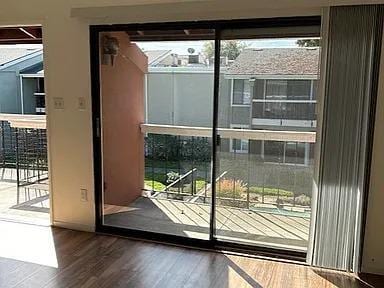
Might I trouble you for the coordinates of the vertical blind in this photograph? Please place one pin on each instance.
(354, 35)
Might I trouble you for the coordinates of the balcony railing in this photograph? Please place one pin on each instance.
(178, 166)
(23, 148)
(284, 113)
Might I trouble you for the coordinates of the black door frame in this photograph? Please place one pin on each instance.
(217, 26)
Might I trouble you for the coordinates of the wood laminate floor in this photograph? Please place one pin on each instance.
(35, 256)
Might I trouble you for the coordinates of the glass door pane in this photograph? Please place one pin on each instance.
(157, 103)
(267, 126)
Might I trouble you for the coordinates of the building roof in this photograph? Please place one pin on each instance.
(155, 56)
(276, 61)
(10, 54)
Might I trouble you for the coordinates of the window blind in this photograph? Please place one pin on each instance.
(349, 91)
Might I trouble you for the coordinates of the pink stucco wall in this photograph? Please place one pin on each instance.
(122, 93)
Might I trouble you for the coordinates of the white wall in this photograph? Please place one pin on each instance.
(373, 257)
(67, 71)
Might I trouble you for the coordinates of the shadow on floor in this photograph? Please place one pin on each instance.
(192, 220)
(339, 279)
(34, 205)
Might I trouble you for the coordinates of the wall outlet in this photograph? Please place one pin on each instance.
(84, 195)
(81, 104)
(58, 103)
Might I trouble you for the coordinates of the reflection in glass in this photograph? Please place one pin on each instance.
(157, 117)
(264, 180)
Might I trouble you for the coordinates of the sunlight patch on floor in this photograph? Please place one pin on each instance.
(28, 243)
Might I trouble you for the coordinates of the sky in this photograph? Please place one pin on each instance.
(181, 47)
(28, 46)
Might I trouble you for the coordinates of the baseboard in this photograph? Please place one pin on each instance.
(74, 226)
(373, 270)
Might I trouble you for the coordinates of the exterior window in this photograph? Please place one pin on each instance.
(276, 90)
(299, 89)
(40, 85)
(314, 89)
(273, 151)
(284, 152)
(288, 90)
(239, 145)
(294, 153)
(286, 99)
(241, 92)
(193, 59)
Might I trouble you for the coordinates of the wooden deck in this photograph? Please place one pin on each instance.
(192, 220)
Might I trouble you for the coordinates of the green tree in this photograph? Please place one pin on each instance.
(308, 42)
(232, 48)
(229, 48)
(209, 49)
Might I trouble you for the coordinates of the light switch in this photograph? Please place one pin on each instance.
(58, 103)
(82, 103)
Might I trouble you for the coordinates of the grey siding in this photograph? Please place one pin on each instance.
(9, 92)
(193, 99)
(160, 98)
(180, 98)
(224, 117)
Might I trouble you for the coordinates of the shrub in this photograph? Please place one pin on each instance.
(159, 177)
(270, 191)
(172, 177)
(230, 188)
(175, 148)
(303, 200)
(253, 171)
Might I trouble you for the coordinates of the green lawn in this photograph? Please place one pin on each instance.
(199, 185)
(270, 191)
(155, 185)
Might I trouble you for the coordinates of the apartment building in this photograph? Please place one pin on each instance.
(274, 89)
(21, 80)
(267, 89)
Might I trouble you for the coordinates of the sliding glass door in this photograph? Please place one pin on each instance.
(267, 130)
(205, 133)
(156, 103)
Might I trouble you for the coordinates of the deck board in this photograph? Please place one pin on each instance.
(192, 220)
(290, 225)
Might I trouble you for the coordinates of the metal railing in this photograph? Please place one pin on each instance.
(246, 179)
(23, 142)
